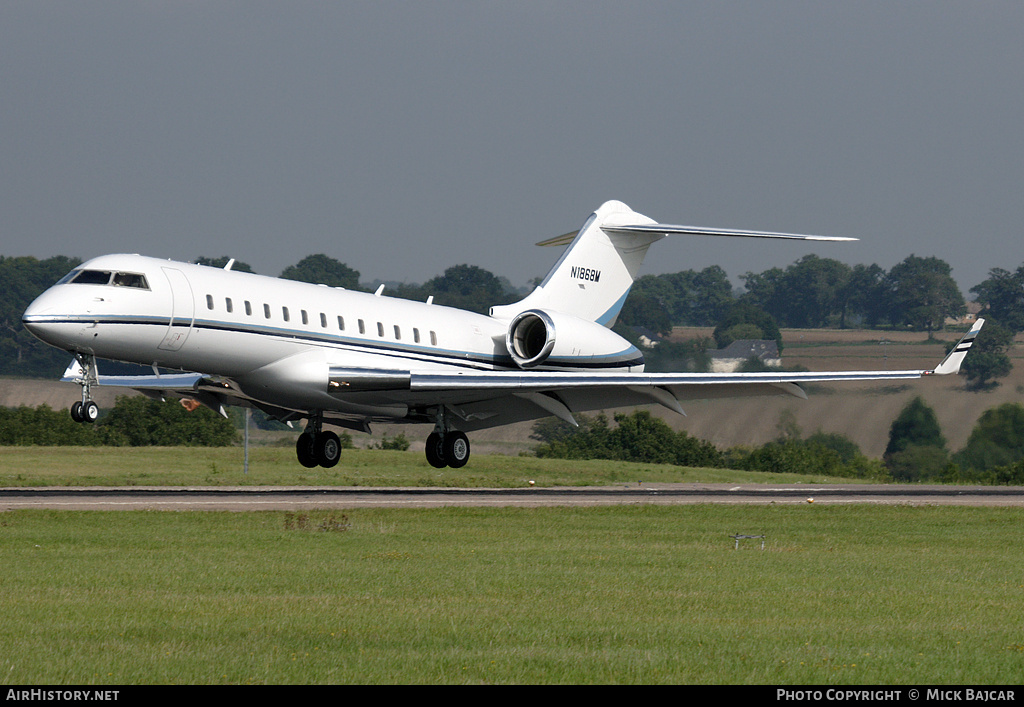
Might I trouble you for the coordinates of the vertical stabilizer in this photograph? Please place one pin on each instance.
(594, 274)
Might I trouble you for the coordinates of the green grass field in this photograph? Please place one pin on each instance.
(642, 594)
(276, 466)
(631, 594)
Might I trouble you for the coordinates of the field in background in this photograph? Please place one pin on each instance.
(863, 412)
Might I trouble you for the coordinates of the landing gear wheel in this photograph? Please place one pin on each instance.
(90, 411)
(435, 451)
(304, 450)
(85, 412)
(327, 449)
(456, 449)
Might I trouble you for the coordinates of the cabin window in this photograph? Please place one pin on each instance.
(266, 311)
(209, 301)
(229, 305)
(398, 333)
(380, 329)
(341, 323)
(285, 314)
(305, 317)
(433, 339)
(323, 320)
(362, 327)
(248, 308)
(416, 335)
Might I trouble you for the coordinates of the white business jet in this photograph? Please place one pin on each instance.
(347, 359)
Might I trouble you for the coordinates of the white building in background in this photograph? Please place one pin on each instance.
(733, 356)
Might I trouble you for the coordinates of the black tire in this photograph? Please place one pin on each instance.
(90, 411)
(76, 412)
(456, 449)
(435, 451)
(328, 449)
(304, 450)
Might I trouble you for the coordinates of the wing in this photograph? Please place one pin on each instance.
(487, 399)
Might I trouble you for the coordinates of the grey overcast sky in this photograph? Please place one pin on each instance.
(406, 137)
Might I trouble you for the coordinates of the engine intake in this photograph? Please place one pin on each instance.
(531, 338)
(538, 336)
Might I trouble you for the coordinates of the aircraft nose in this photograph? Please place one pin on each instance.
(40, 319)
(33, 316)
(34, 310)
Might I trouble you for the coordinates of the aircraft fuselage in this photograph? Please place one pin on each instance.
(277, 339)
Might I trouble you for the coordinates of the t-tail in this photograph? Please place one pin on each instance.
(595, 273)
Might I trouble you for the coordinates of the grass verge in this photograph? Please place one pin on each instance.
(649, 594)
(276, 466)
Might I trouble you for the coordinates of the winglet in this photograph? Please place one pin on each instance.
(951, 364)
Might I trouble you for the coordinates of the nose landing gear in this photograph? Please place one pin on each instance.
(86, 410)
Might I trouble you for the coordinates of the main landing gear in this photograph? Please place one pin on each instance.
(445, 446)
(86, 410)
(317, 446)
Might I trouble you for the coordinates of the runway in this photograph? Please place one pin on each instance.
(311, 498)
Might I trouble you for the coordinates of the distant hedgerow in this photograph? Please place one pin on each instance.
(637, 437)
(134, 421)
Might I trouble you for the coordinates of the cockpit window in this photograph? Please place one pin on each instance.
(92, 277)
(131, 279)
(106, 277)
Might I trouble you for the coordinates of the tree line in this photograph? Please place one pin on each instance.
(812, 293)
(918, 293)
(134, 421)
(916, 451)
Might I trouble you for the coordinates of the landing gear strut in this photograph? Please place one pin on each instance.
(445, 446)
(86, 410)
(317, 446)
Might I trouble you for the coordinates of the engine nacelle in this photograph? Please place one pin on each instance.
(553, 339)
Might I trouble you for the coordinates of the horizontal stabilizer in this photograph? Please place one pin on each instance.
(564, 239)
(664, 229)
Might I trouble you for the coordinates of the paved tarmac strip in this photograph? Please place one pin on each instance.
(311, 498)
